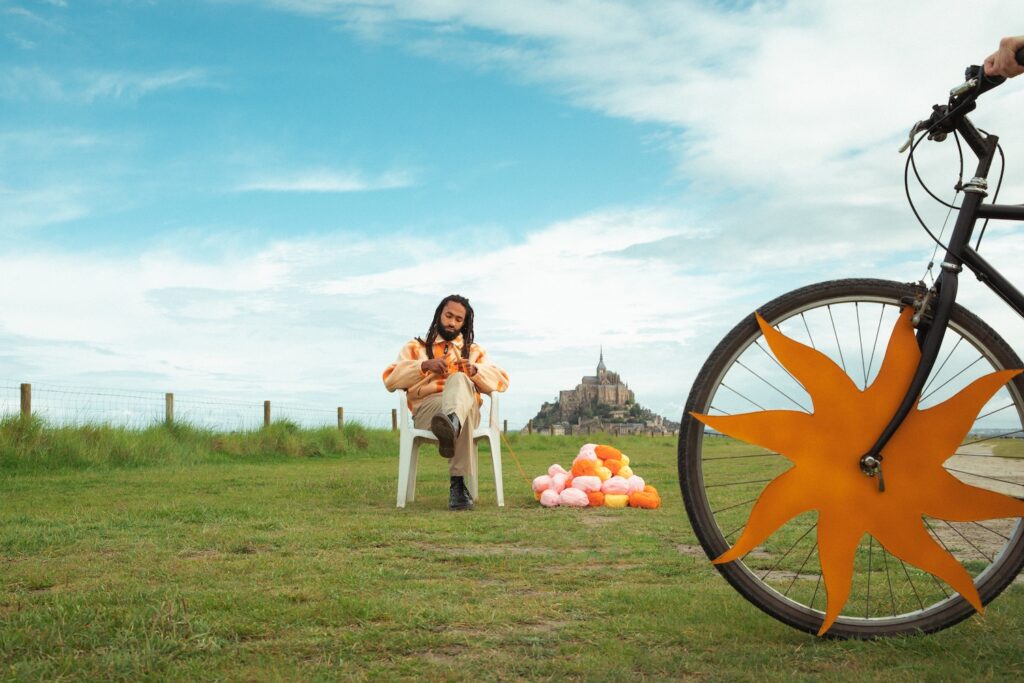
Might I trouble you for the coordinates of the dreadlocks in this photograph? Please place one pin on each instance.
(467, 325)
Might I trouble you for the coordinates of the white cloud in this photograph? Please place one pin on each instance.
(800, 103)
(328, 180)
(24, 83)
(280, 321)
(34, 208)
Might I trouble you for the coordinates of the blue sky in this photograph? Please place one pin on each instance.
(256, 199)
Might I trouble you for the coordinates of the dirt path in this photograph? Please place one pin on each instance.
(978, 460)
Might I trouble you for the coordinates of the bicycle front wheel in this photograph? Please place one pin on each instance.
(721, 478)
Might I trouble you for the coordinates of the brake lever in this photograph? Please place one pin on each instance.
(914, 130)
(966, 86)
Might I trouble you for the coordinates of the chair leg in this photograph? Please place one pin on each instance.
(404, 465)
(473, 480)
(414, 462)
(496, 459)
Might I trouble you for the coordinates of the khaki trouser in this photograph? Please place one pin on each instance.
(459, 397)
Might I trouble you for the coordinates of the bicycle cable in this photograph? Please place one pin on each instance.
(960, 181)
(910, 200)
(960, 174)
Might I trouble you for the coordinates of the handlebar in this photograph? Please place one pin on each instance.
(944, 118)
(989, 82)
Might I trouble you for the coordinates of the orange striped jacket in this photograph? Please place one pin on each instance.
(405, 372)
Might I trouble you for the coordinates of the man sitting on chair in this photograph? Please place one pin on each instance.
(444, 376)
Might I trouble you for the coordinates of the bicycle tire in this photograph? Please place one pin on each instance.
(697, 475)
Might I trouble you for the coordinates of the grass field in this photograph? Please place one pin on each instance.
(1009, 448)
(279, 555)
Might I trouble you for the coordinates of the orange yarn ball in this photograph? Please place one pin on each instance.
(596, 498)
(605, 452)
(644, 499)
(582, 468)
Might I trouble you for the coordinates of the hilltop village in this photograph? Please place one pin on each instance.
(600, 403)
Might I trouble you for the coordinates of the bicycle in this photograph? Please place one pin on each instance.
(724, 481)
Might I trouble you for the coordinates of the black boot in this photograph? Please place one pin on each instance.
(446, 429)
(458, 495)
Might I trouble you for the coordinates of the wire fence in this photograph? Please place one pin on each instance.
(76, 406)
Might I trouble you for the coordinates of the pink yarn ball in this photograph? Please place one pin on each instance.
(615, 484)
(636, 484)
(587, 483)
(541, 483)
(588, 451)
(571, 497)
(549, 499)
(556, 469)
(558, 482)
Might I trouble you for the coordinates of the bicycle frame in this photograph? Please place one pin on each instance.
(958, 254)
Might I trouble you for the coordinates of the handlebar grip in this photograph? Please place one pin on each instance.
(989, 82)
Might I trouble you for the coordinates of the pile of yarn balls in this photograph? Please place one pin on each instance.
(600, 475)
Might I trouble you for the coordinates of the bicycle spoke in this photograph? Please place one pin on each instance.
(968, 542)
(726, 386)
(867, 601)
(888, 578)
(734, 532)
(795, 544)
(791, 400)
(809, 336)
(997, 410)
(992, 531)
(985, 476)
(784, 368)
(912, 586)
(974, 362)
(816, 587)
(943, 543)
(860, 340)
(989, 438)
(741, 457)
(801, 570)
(874, 345)
(737, 483)
(746, 502)
(984, 455)
(836, 333)
(935, 373)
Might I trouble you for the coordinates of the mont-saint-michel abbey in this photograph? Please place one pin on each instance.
(601, 402)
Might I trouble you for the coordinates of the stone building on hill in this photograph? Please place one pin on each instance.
(604, 388)
(600, 403)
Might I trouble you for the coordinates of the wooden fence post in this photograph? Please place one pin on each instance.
(266, 413)
(394, 419)
(551, 430)
(169, 408)
(341, 418)
(26, 400)
(504, 429)
(529, 426)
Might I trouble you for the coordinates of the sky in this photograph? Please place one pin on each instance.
(266, 199)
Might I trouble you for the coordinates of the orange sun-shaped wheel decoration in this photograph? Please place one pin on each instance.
(826, 445)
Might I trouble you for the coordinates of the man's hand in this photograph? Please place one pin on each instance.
(436, 365)
(1003, 62)
(467, 367)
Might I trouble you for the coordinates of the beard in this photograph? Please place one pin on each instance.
(447, 334)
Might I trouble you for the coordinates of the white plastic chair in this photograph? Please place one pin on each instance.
(410, 439)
